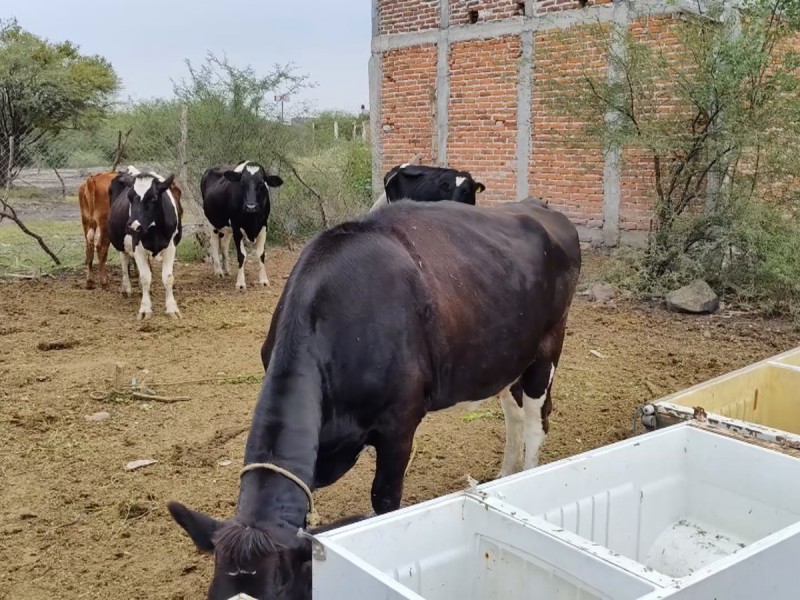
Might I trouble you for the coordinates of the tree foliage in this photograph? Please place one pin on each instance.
(45, 88)
(718, 116)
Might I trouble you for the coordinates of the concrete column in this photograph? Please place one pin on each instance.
(524, 99)
(375, 83)
(612, 170)
(442, 83)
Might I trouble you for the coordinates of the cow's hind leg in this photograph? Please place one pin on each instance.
(514, 417)
(101, 244)
(214, 237)
(535, 388)
(90, 231)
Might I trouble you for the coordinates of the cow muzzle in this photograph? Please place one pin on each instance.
(251, 208)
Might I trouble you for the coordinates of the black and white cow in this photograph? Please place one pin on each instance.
(236, 204)
(428, 184)
(405, 311)
(144, 223)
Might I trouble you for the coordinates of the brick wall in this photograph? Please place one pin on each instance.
(403, 16)
(483, 133)
(483, 113)
(408, 102)
(564, 168)
(638, 178)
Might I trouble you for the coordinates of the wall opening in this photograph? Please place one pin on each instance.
(473, 16)
(521, 8)
(583, 3)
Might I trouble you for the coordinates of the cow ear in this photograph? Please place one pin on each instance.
(233, 176)
(200, 527)
(479, 187)
(163, 186)
(273, 181)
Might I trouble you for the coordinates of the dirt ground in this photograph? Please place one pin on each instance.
(75, 524)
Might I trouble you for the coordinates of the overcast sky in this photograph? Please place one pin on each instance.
(148, 40)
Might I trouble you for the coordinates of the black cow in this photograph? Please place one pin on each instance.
(428, 184)
(145, 222)
(236, 204)
(413, 308)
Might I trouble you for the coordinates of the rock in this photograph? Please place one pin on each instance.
(98, 416)
(139, 464)
(695, 298)
(602, 292)
(224, 463)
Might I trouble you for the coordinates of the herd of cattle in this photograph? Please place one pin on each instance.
(416, 306)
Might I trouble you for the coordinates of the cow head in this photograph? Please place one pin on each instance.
(255, 183)
(146, 194)
(268, 562)
(466, 189)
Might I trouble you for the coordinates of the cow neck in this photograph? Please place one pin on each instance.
(285, 432)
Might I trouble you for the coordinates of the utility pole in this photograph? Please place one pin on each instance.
(282, 98)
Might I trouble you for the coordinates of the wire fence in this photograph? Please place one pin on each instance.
(326, 175)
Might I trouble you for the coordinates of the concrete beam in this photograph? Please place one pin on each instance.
(443, 83)
(375, 83)
(524, 99)
(612, 169)
(602, 13)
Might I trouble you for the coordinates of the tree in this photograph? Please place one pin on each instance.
(45, 88)
(718, 116)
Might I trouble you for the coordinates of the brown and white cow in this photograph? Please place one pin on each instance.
(413, 308)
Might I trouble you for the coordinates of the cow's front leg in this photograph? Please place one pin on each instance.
(241, 255)
(393, 454)
(145, 279)
(125, 260)
(261, 242)
(169, 280)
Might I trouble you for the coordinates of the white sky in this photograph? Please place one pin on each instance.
(147, 41)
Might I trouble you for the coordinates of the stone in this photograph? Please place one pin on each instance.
(695, 298)
(98, 416)
(139, 464)
(602, 293)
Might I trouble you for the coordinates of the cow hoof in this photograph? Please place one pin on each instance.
(126, 294)
(264, 283)
(143, 316)
(90, 285)
(104, 285)
(219, 274)
(241, 288)
(175, 315)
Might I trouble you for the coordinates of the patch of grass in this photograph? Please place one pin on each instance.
(25, 192)
(191, 249)
(21, 254)
(481, 415)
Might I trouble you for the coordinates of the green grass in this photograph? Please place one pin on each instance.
(21, 254)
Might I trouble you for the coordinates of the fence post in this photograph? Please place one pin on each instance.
(183, 150)
(336, 130)
(10, 165)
